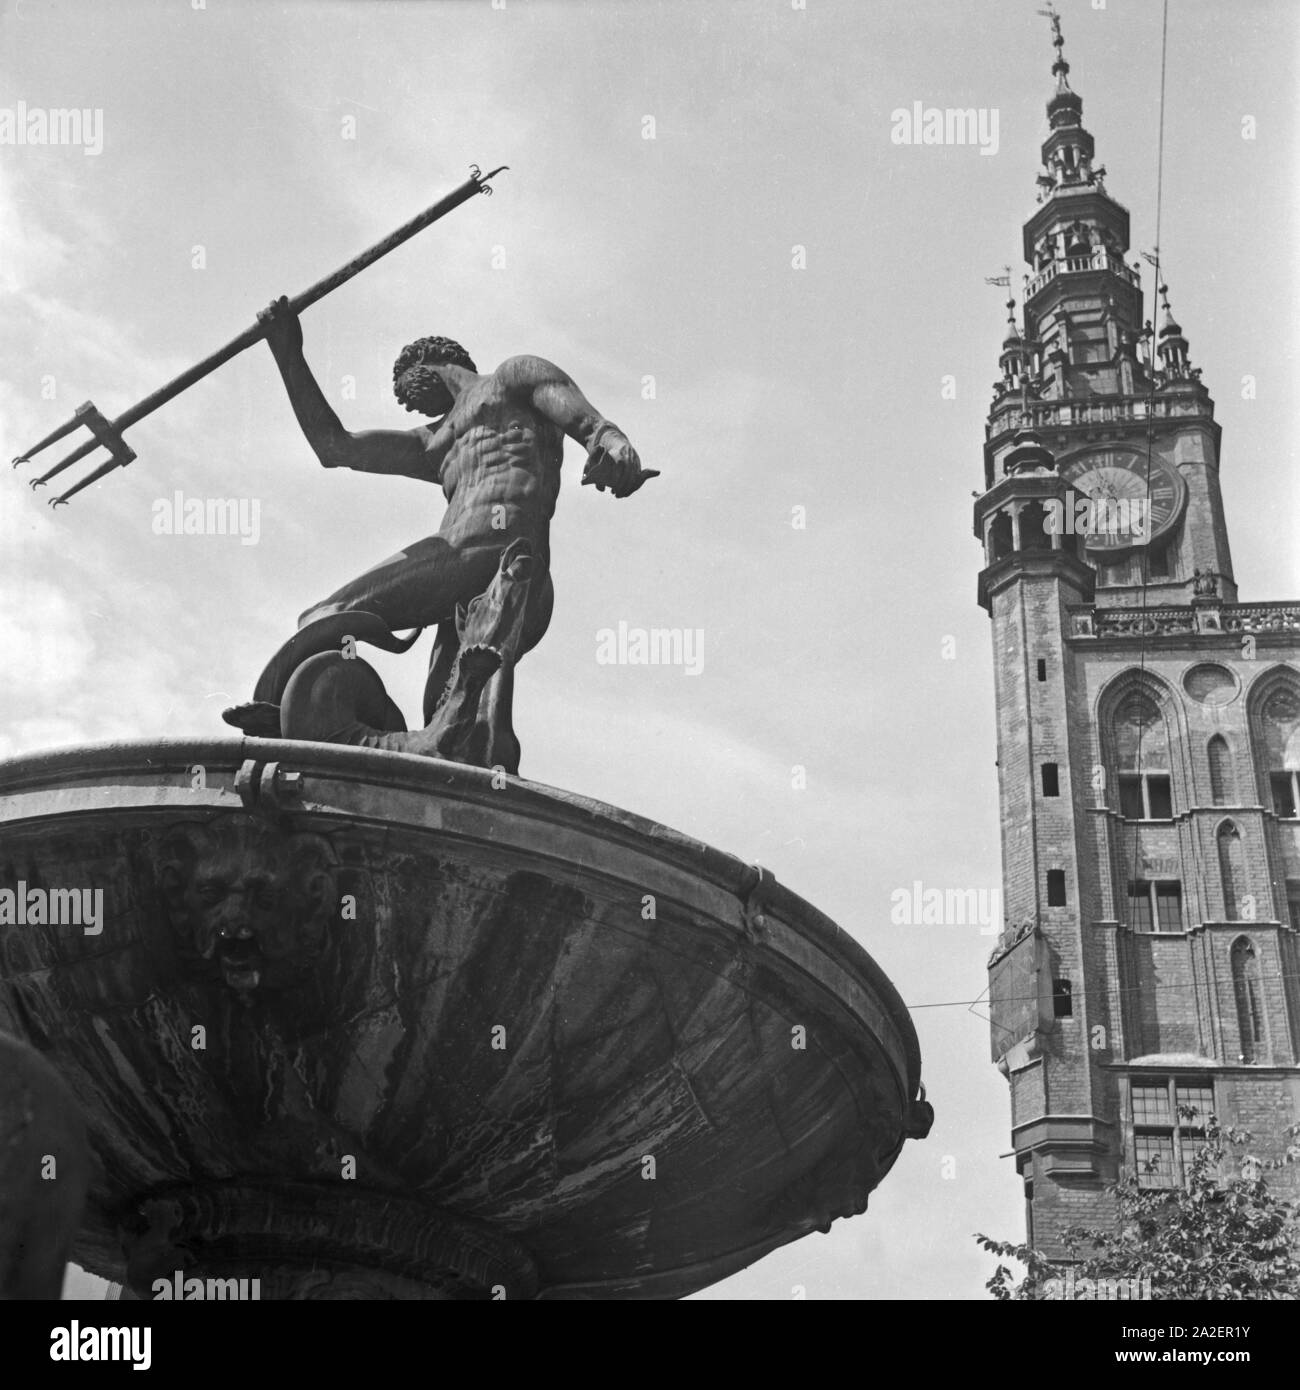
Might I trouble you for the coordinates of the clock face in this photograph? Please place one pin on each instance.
(1115, 480)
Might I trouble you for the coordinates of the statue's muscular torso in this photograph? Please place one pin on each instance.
(496, 454)
(501, 467)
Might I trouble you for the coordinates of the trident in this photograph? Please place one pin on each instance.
(109, 432)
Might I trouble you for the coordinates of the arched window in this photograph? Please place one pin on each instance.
(1278, 731)
(1034, 533)
(1250, 1004)
(1141, 745)
(1223, 788)
(1232, 874)
(1000, 538)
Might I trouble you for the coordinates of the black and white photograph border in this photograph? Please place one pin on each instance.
(882, 878)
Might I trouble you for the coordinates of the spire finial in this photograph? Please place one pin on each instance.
(1169, 326)
(1060, 67)
(1172, 346)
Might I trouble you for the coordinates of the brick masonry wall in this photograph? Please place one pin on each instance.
(1168, 997)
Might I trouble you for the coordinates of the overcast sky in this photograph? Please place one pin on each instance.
(248, 148)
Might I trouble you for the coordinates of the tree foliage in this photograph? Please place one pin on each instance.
(1221, 1236)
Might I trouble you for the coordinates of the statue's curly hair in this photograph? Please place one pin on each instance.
(413, 369)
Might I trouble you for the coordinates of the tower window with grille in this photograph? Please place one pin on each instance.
(1056, 888)
(1155, 905)
(1168, 1129)
(1145, 796)
(1051, 780)
(1293, 901)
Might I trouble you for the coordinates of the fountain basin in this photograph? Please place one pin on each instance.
(362, 1024)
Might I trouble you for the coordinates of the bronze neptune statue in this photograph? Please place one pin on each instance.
(494, 444)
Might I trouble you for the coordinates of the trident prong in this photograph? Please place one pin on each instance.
(482, 179)
(102, 432)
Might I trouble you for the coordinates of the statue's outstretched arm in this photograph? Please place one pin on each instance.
(554, 394)
(612, 461)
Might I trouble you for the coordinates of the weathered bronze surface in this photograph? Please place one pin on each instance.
(494, 445)
(44, 1172)
(362, 1024)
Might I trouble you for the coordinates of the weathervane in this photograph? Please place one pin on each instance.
(1050, 13)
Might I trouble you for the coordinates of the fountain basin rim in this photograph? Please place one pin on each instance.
(457, 781)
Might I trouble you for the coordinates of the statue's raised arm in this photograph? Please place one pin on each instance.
(416, 453)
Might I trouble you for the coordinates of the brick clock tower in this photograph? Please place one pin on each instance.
(1148, 734)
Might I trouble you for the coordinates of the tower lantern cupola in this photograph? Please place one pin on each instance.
(1173, 346)
(1068, 149)
(1012, 358)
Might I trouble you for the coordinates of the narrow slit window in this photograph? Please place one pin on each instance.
(1042, 669)
(1250, 1007)
(1062, 999)
(1056, 888)
(1051, 780)
(1222, 789)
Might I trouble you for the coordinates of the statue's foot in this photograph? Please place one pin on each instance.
(257, 718)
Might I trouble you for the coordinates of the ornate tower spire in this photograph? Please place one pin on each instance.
(1174, 360)
(1116, 400)
(1068, 149)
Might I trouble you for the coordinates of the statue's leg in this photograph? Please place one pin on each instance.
(500, 744)
(419, 586)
